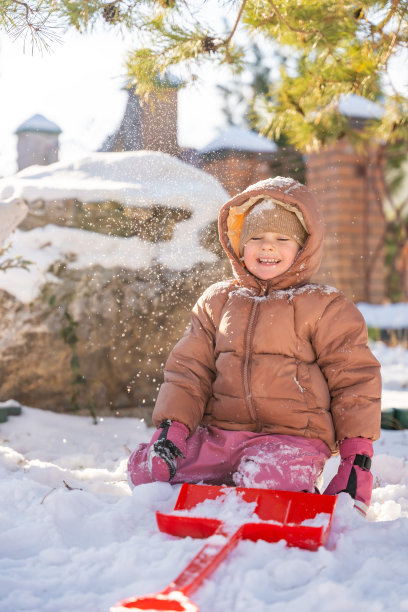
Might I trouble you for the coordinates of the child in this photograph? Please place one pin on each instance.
(274, 373)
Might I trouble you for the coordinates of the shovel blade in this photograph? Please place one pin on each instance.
(287, 510)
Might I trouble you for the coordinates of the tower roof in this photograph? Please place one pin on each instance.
(240, 139)
(358, 107)
(39, 123)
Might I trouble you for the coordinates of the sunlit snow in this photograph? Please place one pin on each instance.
(75, 537)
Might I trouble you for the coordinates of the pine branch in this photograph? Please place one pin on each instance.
(172, 45)
(335, 48)
(313, 32)
(235, 26)
(32, 23)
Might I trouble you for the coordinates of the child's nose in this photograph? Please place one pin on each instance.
(268, 244)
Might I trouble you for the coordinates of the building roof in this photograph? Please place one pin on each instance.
(168, 80)
(39, 123)
(240, 139)
(358, 107)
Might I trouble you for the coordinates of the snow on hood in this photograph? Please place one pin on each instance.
(141, 178)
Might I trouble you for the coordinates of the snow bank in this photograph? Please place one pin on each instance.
(74, 537)
(394, 372)
(385, 316)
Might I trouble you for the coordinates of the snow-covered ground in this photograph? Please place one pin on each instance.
(75, 537)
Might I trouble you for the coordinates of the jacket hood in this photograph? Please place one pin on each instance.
(295, 197)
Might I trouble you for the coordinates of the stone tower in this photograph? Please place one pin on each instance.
(148, 125)
(37, 142)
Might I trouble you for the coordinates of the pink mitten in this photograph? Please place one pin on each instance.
(167, 444)
(354, 476)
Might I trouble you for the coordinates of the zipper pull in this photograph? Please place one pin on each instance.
(263, 289)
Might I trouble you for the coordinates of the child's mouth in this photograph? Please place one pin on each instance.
(268, 261)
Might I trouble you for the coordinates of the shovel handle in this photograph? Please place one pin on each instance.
(206, 561)
(175, 595)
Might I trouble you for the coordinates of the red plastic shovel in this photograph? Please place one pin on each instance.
(286, 511)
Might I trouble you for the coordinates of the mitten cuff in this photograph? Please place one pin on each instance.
(179, 428)
(356, 446)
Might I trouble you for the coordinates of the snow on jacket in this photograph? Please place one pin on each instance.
(282, 356)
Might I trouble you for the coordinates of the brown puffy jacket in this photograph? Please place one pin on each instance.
(281, 356)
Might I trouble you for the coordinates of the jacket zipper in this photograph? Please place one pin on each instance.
(247, 355)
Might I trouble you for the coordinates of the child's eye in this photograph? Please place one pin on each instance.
(283, 239)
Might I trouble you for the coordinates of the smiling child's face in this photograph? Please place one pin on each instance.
(269, 254)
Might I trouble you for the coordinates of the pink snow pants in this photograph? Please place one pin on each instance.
(218, 456)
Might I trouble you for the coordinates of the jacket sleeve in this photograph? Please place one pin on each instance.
(351, 370)
(189, 372)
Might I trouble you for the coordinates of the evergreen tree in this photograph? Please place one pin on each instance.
(332, 47)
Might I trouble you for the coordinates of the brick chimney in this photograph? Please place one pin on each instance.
(350, 187)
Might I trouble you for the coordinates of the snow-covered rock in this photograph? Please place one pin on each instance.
(134, 178)
(125, 294)
(146, 188)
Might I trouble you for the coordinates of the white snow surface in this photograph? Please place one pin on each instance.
(80, 249)
(75, 537)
